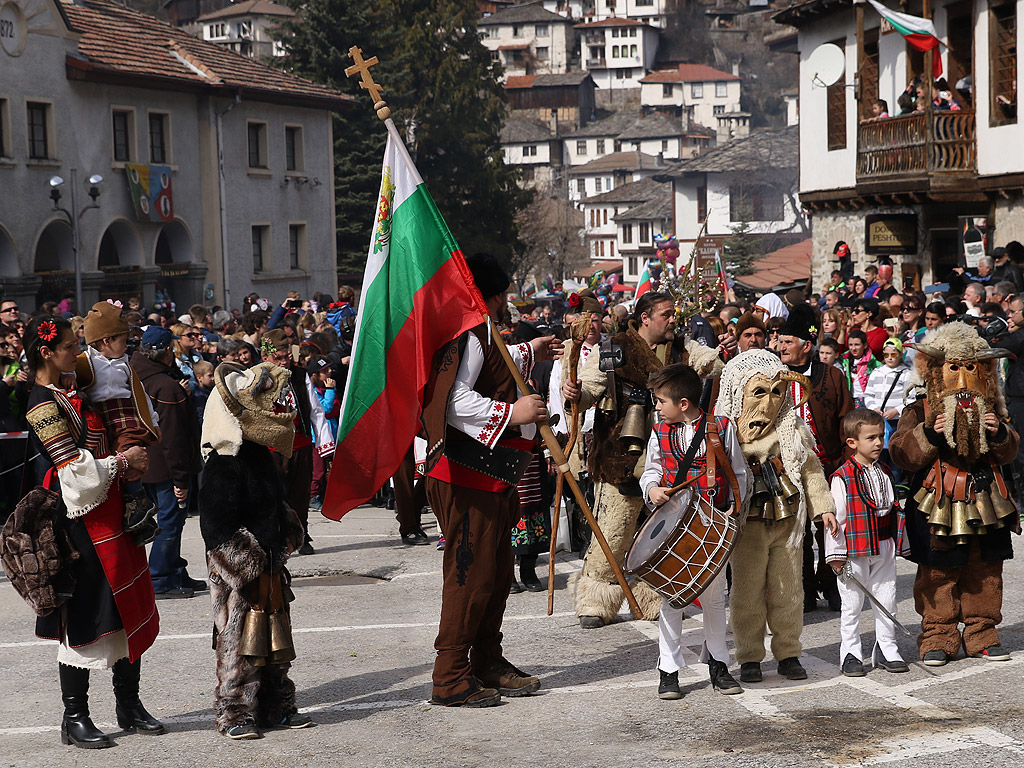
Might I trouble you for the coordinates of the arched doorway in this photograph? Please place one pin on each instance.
(120, 258)
(54, 261)
(174, 253)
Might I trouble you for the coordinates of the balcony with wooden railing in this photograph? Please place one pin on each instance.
(940, 145)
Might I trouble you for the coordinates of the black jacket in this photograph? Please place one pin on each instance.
(176, 456)
(1014, 342)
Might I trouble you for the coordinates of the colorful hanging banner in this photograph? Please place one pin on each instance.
(150, 189)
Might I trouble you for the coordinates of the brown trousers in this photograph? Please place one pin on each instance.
(971, 595)
(410, 495)
(477, 572)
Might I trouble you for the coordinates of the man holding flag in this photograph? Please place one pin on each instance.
(479, 435)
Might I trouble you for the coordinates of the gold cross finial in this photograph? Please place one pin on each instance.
(366, 82)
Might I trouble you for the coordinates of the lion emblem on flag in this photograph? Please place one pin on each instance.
(387, 198)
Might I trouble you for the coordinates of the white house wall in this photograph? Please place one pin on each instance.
(999, 147)
(821, 169)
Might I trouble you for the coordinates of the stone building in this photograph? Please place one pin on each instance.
(217, 170)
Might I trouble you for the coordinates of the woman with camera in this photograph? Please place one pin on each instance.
(110, 618)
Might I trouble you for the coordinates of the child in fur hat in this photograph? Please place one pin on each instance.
(107, 381)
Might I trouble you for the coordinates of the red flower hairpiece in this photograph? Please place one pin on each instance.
(47, 330)
(574, 300)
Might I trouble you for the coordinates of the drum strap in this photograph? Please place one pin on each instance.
(716, 452)
(691, 451)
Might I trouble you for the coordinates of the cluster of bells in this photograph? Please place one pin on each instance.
(774, 496)
(267, 637)
(960, 519)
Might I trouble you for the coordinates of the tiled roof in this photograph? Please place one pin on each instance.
(613, 22)
(249, 8)
(780, 268)
(610, 126)
(797, 13)
(518, 130)
(688, 73)
(121, 45)
(619, 161)
(767, 150)
(547, 81)
(519, 14)
(653, 126)
(659, 206)
(634, 193)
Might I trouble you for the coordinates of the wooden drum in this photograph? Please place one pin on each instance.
(682, 547)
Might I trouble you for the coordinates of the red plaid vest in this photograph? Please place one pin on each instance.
(862, 521)
(673, 450)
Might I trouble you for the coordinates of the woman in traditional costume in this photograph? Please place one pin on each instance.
(111, 617)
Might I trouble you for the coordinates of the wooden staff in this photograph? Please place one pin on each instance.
(362, 68)
(577, 333)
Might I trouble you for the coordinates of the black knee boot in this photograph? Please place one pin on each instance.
(131, 715)
(528, 573)
(77, 727)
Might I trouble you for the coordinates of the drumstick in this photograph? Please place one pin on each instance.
(680, 487)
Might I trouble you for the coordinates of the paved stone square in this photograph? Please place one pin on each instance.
(365, 619)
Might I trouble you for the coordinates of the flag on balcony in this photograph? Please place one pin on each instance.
(919, 32)
(418, 295)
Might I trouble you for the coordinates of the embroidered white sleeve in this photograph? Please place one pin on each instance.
(84, 482)
(835, 546)
(522, 355)
(480, 417)
(653, 470)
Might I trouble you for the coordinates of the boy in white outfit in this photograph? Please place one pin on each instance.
(869, 537)
(677, 452)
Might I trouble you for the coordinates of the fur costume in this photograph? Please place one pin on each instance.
(248, 530)
(618, 502)
(959, 514)
(767, 560)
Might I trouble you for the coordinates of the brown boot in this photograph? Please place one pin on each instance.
(508, 680)
(476, 696)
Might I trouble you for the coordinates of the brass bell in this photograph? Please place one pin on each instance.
(974, 516)
(634, 429)
(280, 631)
(1002, 506)
(942, 514)
(926, 504)
(921, 494)
(986, 510)
(760, 495)
(783, 510)
(789, 491)
(255, 632)
(959, 527)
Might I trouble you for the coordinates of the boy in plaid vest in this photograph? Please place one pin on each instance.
(677, 392)
(869, 536)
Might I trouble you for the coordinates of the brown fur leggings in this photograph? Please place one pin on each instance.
(245, 694)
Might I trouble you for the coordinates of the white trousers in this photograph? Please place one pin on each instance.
(670, 628)
(878, 574)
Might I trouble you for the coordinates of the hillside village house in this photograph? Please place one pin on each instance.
(528, 40)
(248, 28)
(617, 52)
(558, 100)
(94, 88)
(610, 172)
(903, 185)
(530, 146)
(705, 95)
(752, 179)
(653, 12)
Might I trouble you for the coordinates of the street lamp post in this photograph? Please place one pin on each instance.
(55, 194)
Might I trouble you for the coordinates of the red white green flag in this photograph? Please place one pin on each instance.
(919, 32)
(643, 285)
(418, 295)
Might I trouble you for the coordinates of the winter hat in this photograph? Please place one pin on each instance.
(488, 275)
(802, 323)
(104, 320)
(748, 320)
(156, 337)
(275, 341)
(585, 301)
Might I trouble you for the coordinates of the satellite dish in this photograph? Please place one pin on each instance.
(827, 64)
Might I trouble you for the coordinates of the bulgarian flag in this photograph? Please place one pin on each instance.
(919, 32)
(643, 285)
(720, 267)
(418, 295)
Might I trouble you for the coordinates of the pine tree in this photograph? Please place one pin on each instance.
(741, 249)
(446, 100)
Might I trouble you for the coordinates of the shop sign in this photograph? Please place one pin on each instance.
(890, 234)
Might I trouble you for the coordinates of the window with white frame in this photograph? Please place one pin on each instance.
(633, 266)
(541, 30)
(543, 53)
(581, 186)
(597, 184)
(721, 90)
(517, 30)
(666, 90)
(627, 233)
(718, 109)
(581, 147)
(696, 90)
(600, 146)
(645, 232)
(530, 150)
